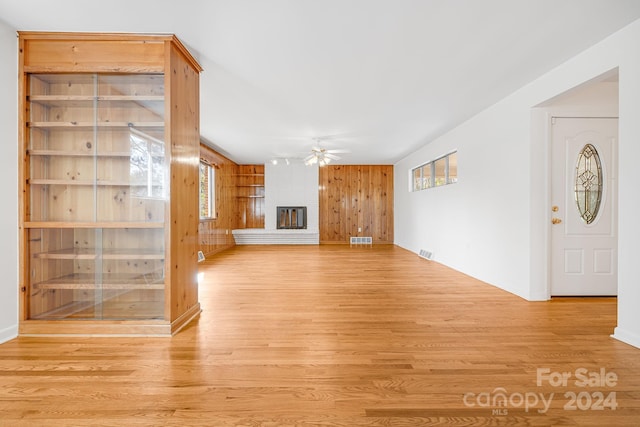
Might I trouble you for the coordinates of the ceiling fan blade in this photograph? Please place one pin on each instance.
(338, 151)
(309, 157)
(331, 156)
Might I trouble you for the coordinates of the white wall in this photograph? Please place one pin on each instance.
(628, 329)
(480, 224)
(294, 184)
(491, 225)
(8, 183)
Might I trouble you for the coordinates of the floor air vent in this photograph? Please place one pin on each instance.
(358, 240)
(425, 254)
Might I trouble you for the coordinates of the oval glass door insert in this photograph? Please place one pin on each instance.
(588, 183)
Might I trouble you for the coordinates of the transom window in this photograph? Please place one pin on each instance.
(438, 172)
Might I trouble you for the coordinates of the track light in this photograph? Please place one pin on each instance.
(285, 160)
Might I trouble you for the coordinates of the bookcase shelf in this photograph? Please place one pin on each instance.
(85, 100)
(94, 253)
(95, 125)
(250, 196)
(108, 282)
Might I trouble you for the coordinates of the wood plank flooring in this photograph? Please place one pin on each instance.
(336, 336)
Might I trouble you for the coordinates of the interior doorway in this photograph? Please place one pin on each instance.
(593, 99)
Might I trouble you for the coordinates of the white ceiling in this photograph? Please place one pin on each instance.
(380, 77)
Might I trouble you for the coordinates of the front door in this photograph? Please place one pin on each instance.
(584, 206)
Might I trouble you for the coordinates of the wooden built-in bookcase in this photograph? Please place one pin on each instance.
(250, 195)
(109, 143)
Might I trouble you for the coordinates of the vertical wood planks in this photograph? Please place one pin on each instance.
(354, 197)
(184, 117)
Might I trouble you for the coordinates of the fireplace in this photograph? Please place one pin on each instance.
(291, 217)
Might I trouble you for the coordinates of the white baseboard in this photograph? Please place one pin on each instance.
(9, 333)
(626, 337)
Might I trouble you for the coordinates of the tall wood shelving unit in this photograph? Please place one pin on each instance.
(250, 196)
(109, 145)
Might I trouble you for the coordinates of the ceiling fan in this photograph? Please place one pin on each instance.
(322, 156)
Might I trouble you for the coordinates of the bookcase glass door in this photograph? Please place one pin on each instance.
(97, 196)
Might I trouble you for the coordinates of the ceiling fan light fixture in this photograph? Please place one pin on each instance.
(322, 156)
(317, 157)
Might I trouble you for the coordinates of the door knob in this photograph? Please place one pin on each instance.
(556, 220)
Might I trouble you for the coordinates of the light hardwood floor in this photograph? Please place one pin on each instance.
(334, 336)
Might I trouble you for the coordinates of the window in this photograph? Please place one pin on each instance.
(207, 191)
(588, 183)
(453, 168)
(426, 176)
(441, 171)
(417, 179)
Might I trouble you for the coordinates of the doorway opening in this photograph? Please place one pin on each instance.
(571, 121)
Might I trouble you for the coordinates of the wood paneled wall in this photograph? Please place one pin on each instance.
(215, 234)
(356, 197)
(181, 266)
(351, 197)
